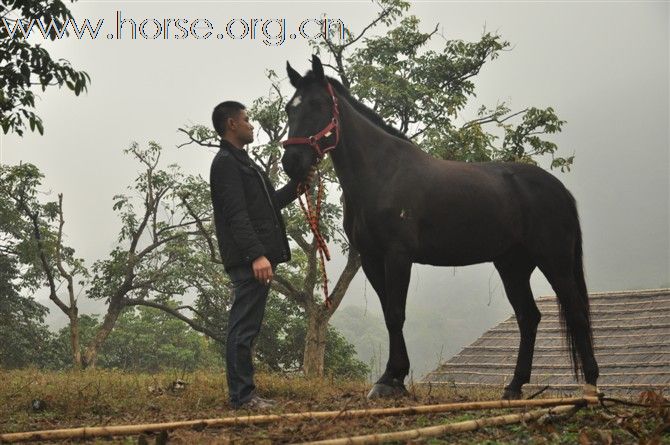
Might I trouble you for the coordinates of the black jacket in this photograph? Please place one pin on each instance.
(247, 209)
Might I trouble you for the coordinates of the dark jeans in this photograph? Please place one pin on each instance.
(244, 323)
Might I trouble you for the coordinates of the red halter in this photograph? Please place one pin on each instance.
(313, 141)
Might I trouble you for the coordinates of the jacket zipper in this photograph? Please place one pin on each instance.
(267, 194)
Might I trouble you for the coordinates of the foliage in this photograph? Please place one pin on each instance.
(341, 358)
(33, 232)
(23, 64)
(25, 214)
(32, 254)
(281, 343)
(144, 340)
(19, 190)
(25, 337)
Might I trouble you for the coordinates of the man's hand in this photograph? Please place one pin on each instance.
(262, 270)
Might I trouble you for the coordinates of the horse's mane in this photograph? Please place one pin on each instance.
(366, 111)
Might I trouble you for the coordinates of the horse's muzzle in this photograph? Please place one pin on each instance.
(295, 164)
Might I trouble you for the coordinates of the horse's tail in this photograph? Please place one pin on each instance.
(580, 307)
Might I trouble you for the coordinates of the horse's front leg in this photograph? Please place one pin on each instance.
(397, 271)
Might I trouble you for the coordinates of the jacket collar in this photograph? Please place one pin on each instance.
(240, 154)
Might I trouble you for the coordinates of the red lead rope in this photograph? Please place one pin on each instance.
(312, 214)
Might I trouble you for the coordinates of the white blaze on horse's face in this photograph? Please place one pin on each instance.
(296, 101)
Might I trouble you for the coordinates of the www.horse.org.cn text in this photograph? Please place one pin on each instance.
(269, 31)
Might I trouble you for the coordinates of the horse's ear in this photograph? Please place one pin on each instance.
(293, 75)
(317, 68)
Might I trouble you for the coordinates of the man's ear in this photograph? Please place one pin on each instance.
(230, 122)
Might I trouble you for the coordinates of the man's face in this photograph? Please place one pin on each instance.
(242, 128)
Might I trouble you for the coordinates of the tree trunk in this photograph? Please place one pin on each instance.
(91, 354)
(315, 343)
(74, 337)
(318, 315)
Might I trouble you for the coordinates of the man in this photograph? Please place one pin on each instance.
(252, 241)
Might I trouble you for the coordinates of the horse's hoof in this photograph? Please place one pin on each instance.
(510, 394)
(382, 390)
(591, 391)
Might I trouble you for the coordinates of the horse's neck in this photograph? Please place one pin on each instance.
(363, 154)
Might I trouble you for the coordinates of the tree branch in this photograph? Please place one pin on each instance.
(310, 276)
(157, 244)
(491, 118)
(34, 217)
(348, 274)
(175, 226)
(175, 313)
(201, 228)
(382, 15)
(145, 219)
(59, 262)
(298, 238)
(194, 140)
(289, 290)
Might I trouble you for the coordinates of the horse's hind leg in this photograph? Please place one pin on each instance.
(515, 270)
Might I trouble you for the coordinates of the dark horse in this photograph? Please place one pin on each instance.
(402, 206)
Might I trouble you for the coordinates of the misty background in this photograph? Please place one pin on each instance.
(602, 66)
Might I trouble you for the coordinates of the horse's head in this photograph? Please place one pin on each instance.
(312, 121)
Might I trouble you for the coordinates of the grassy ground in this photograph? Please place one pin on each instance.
(101, 397)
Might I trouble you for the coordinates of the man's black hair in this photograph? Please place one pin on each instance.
(222, 112)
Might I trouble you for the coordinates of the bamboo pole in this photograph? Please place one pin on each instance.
(537, 366)
(561, 386)
(439, 430)
(545, 375)
(126, 430)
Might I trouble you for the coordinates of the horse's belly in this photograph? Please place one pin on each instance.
(438, 257)
(463, 245)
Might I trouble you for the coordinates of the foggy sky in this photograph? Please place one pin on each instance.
(602, 66)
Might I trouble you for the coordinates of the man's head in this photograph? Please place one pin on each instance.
(231, 122)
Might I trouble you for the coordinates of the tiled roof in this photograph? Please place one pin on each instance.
(632, 344)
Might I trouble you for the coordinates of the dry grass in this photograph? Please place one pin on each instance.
(103, 397)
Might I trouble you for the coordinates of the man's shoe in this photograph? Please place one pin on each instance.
(270, 401)
(257, 403)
